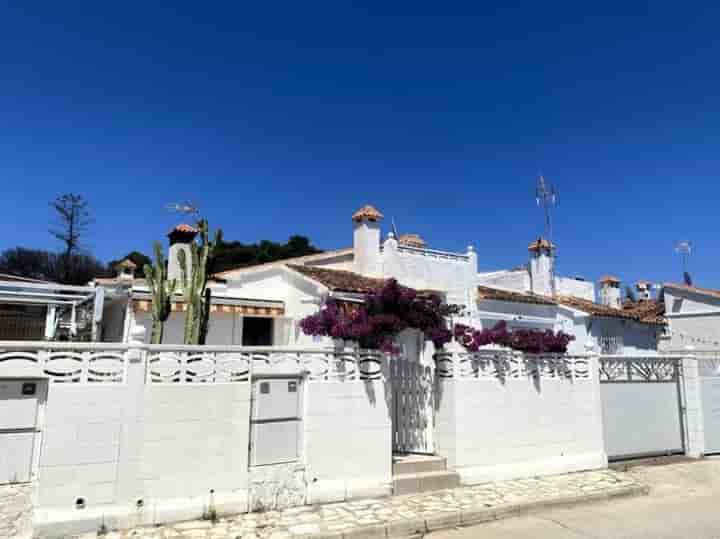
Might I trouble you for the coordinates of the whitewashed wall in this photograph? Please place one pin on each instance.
(494, 427)
(142, 435)
(348, 440)
(636, 338)
(451, 273)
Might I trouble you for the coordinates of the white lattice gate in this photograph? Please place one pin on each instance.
(413, 386)
(641, 400)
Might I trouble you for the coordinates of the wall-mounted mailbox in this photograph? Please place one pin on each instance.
(275, 420)
(23, 394)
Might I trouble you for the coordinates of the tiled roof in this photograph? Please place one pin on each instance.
(412, 240)
(339, 280)
(127, 263)
(185, 229)
(367, 212)
(540, 243)
(609, 279)
(497, 294)
(649, 311)
(695, 289)
(345, 281)
(646, 312)
(298, 260)
(638, 314)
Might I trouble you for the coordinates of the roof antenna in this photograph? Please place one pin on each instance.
(394, 229)
(187, 208)
(684, 249)
(546, 197)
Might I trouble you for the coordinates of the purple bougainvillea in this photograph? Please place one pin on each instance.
(384, 314)
(525, 340)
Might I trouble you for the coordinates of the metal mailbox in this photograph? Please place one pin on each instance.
(275, 420)
(22, 396)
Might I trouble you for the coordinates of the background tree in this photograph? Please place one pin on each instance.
(235, 254)
(48, 266)
(73, 218)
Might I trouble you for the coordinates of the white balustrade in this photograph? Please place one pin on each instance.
(508, 364)
(108, 362)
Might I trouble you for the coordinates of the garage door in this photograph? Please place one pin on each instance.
(641, 404)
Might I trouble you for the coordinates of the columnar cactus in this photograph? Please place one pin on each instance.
(161, 290)
(194, 281)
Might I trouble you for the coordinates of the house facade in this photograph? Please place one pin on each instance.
(261, 305)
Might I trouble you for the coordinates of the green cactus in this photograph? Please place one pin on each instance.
(194, 281)
(161, 290)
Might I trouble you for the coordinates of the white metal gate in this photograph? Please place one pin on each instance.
(641, 402)
(709, 371)
(413, 387)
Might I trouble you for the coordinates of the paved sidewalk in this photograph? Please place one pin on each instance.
(403, 516)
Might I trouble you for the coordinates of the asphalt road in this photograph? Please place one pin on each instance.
(684, 502)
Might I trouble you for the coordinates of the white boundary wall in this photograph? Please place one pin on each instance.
(502, 415)
(149, 434)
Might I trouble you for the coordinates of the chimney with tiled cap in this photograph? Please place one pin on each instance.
(643, 290)
(180, 239)
(610, 291)
(542, 271)
(412, 240)
(366, 242)
(125, 269)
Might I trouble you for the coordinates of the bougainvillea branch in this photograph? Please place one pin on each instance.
(524, 340)
(384, 314)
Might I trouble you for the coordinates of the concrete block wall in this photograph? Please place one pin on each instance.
(348, 440)
(492, 429)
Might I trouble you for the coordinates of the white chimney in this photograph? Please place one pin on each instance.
(610, 291)
(542, 271)
(125, 270)
(366, 242)
(643, 290)
(180, 239)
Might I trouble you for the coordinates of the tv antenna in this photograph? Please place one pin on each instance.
(395, 230)
(187, 208)
(684, 249)
(546, 197)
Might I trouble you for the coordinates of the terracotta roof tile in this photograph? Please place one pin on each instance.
(695, 289)
(540, 243)
(646, 312)
(412, 240)
(127, 263)
(345, 281)
(609, 279)
(642, 315)
(497, 294)
(367, 212)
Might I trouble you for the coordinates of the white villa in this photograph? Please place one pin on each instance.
(262, 304)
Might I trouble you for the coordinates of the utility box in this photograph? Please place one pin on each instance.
(275, 420)
(23, 394)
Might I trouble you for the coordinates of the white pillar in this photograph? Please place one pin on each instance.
(692, 402)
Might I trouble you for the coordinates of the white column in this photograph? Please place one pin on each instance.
(693, 413)
(129, 486)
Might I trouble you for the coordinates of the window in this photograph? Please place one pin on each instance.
(257, 331)
(611, 344)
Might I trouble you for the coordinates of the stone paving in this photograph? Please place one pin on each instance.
(399, 515)
(15, 510)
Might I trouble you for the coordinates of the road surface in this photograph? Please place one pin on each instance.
(684, 502)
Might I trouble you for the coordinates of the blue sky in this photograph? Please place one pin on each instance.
(283, 118)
